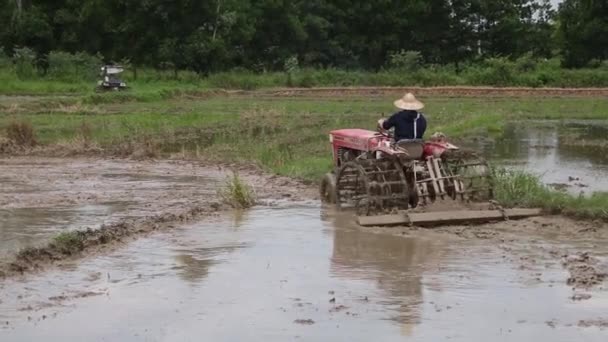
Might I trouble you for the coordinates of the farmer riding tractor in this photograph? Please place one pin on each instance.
(384, 181)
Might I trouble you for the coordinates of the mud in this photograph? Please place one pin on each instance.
(600, 323)
(298, 271)
(161, 260)
(108, 202)
(585, 270)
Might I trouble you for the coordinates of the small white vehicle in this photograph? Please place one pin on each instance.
(109, 79)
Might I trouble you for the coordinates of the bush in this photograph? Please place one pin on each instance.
(5, 61)
(65, 66)
(24, 61)
(405, 60)
(494, 71)
(526, 63)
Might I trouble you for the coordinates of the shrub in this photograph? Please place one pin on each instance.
(65, 66)
(24, 60)
(406, 60)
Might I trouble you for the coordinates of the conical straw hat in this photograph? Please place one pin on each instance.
(409, 102)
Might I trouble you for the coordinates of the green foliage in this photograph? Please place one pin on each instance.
(518, 188)
(218, 35)
(237, 193)
(66, 66)
(583, 31)
(69, 243)
(405, 60)
(24, 60)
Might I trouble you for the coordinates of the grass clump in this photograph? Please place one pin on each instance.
(21, 133)
(521, 189)
(518, 188)
(69, 243)
(237, 193)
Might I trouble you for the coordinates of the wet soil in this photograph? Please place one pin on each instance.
(108, 200)
(585, 271)
(299, 271)
(287, 269)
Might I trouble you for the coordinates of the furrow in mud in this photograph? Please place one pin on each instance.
(92, 241)
(55, 209)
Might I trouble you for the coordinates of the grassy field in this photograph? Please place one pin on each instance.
(70, 74)
(286, 135)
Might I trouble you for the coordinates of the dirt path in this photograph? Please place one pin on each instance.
(424, 91)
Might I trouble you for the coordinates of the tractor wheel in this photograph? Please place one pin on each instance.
(474, 172)
(372, 186)
(328, 188)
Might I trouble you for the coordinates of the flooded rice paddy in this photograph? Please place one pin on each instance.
(295, 270)
(567, 154)
(301, 272)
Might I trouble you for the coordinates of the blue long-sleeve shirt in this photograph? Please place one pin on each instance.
(409, 124)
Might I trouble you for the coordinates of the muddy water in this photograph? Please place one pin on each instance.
(300, 272)
(42, 197)
(545, 148)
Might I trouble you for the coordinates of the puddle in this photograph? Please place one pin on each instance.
(40, 197)
(299, 272)
(546, 148)
(26, 227)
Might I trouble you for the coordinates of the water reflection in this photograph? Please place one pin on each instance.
(395, 263)
(22, 227)
(192, 269)
(561, 152)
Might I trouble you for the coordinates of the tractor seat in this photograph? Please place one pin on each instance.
(414, 148)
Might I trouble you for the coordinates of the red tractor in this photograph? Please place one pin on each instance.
(376, 176)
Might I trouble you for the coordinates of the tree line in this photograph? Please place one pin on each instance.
(215, 35)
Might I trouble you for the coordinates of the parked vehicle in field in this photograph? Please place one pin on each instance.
(109, 78)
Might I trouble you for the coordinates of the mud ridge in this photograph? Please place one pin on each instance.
(90, 241)
(585, 271)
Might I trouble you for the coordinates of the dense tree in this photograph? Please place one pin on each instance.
(211, 35)
(584, 31)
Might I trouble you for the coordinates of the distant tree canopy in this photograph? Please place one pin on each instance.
(583, 25)
(214, 35)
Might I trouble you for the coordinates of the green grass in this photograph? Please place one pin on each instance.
(65, 79)
(69, 243)
(288, 135)
(237, 193)
(517, 188)
(285, 135)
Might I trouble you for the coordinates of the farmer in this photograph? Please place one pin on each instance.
(409, 122)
